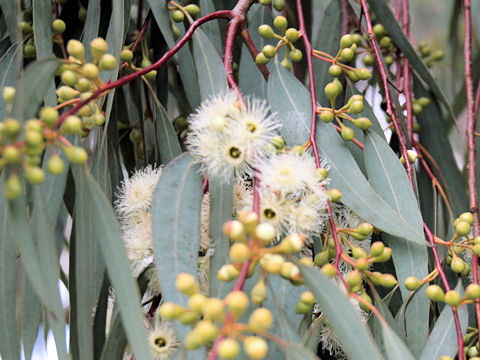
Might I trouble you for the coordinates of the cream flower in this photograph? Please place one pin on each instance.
(226, 137)
(134, 198)
(162, 339)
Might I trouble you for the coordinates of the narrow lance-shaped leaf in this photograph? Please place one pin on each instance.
(31, 87)
(9, 69)
(221, 204)
(210, 72)
(395, 347)
(118, 267)
(42, 31)
(389, 179)
(443, 339)
(9, 344)
(289, 97)
(354, 336)
(385, 17)
(176, 208)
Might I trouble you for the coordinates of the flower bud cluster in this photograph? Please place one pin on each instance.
(452, 297)
(287, 38)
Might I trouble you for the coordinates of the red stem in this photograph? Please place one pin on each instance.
(472, 112)
(247, 39)
(388, 97)
(142, 31)
(311, 77)
(225, 14)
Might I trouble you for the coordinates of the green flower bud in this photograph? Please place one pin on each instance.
(331, 91)
(452, 298)
(472, 291)
(356, 107)
(25, 28)
(29, 51)
(435, 293)
(296, 55)
(260, 319)
(192, 9)
(279, 5)
(347, 133)
(76, 49)
(457, 265)
(363, 123)
(228, 349)
(90, 71)
(467, 217)
(363, 74)
(302, 308)
(412, 283)
(346, 41)
(280, 22)
(321, 258)
(76, 155)
(265, 31)
(329, 270)
(237, 302)
(126, 55)
(286, 64)
(34, 175)
(292, 35)
(385, 42)
(66, 93)
(58, 26)
(326, 116)
(107, 62)
(423, 101)
(261, 59)
(11, 154)
(368, 59)
(177, 15)
(8, 94)
(379, 30)
(462, 228)
(269, 51)
(55, 165)
(255, 347)
(13, 187)
(388, 281)
(347, 55)
(69, 77)
(334, 195)
(388, 60)
(376, 249)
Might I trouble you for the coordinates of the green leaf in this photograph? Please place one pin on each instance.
(9, 68)
(188, 73)
(388, 177)
(162, 17)
(9, 344)
(434, 137)
(88, 266)
(211, 28)
(443, 339)
(384, 16)
(328, 40)
(46, 250)
(92, 22)
(354, 336)
(118, 267)
(31, 87)
(396, 349)
(42, 31)
(31, 317)
(168, 144)
(55, 184)
(289, 97)
(210, 72)
(251, 80)
(176, 207)
(221, 205)
(9, 10)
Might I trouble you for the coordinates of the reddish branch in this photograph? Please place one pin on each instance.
(388, 97)
(471, 126)
(225, 14)
(247, 39)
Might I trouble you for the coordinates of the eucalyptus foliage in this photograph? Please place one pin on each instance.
(158, 160)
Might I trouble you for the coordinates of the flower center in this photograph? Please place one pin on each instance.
(235, 152)
(269, 213)
(160, 342)
(251, 127)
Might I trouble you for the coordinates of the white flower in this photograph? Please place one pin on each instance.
(139, 245)
(134, 198)
(226, 137)
(162, 339)
(308, 216)
(291, 174)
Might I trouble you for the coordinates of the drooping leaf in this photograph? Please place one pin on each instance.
(354, 336)
(9, 70)
(168, 144)
(443, 339)
(211, 28)
(31, 316)
(328, 41)
(176, 207)
(221, 204)
(389, 179)
(210, 72)
(87, 269)
(46, 250)
(9, 344)
(250, 80)
(386, 18)
(9, 10)
(118, 267)
(161, 14)
(55, 184)
(42, 31)
(32, 86)
(396, 349)
(92, 22)
(289, 97)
